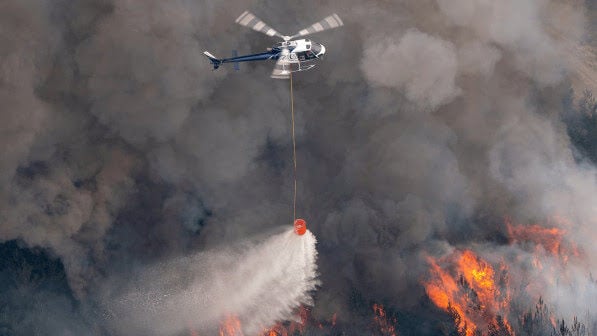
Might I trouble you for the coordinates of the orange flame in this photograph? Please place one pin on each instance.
(443, 291)
(386, 327)
(551, 240)
(548, 238)
(231, 327)
(280, 329)
(471, 295)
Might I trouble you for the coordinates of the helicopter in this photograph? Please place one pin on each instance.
(290, 55)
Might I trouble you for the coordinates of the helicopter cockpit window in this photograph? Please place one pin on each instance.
(316, 48)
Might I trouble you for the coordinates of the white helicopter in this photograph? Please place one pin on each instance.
(290, 55)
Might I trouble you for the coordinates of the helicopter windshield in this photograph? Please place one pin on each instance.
(316, 48)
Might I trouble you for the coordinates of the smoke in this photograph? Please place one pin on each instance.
(426, 69)
(134, 108)
(257, 283)
(426, 124)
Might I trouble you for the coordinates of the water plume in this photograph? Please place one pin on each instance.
(257, 282)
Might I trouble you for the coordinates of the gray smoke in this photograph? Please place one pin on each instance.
(422, 66)
(426, 123)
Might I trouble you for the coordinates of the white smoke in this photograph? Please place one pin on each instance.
(258, 282)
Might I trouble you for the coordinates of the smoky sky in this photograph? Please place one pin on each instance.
(426, 123)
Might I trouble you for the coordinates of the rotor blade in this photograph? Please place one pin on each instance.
(248, 19)
(330, 22)
(285, 65)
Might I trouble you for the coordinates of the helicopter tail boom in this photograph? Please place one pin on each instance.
(216, 62)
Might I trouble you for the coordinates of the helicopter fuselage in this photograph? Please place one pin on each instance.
(303, 51)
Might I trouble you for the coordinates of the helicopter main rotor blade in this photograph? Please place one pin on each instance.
(286, 64)
(330, 22)
(248, 19)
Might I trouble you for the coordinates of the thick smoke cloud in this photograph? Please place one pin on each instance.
(426, 124)
(23, 65)
(424, 66)
(158, 76)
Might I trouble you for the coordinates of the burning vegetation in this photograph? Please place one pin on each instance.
(481, 292)
(381, 325)
(478, 294)
(385, 325)
(471, 291)
(544, 240)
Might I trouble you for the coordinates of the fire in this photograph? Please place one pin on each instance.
(280, 330)
(548, 238)
(284, 330)
(476, 295)
(469, 292)
(551, 239)
(382, 324)
(231, 327)
(386, 327)
(443, 291)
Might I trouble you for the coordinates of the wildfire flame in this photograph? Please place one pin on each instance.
(469, 292)
(477, 296)
(548, 238)
(231, 327)
(284, 330)
(472, 290)
(386, 327)
(551, 239)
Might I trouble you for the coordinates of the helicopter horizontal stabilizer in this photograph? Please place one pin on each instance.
(214, 61)
(236, 64)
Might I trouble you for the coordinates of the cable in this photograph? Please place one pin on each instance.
(293, 150)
